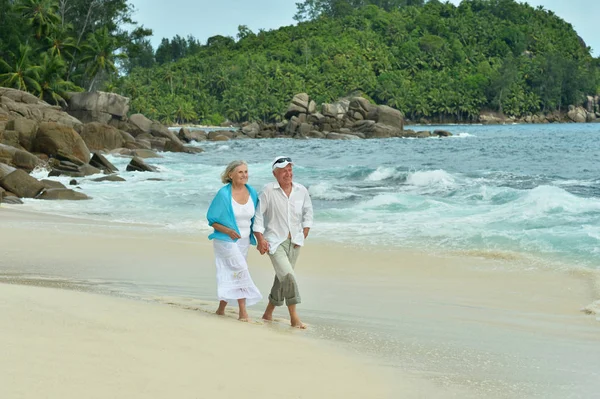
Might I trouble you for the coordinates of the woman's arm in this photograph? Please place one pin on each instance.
(226, 230)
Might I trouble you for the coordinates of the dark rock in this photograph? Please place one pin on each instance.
(62, 194)
(137, 165)
(113, 178)
(48, 184)
(100, 162)
(20, 183)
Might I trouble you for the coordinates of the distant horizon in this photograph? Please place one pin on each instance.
(166, 22)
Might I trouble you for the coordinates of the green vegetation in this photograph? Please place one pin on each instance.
(426, 58)
(51, 47)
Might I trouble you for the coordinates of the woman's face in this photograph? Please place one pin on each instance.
(239, 175)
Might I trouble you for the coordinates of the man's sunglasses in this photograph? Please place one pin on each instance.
(282, 160)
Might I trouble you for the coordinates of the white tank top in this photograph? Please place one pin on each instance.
(243, 214)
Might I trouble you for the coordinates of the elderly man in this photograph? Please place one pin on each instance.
(283, 219)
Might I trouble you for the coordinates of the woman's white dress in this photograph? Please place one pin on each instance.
(233, 277)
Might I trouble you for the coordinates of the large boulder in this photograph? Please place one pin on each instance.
(137, 165)
(100, 162)
(62, 194)
(100, 136)
(17, 103)
(299, 105)
(140, 122)
(19, 158)
(386, 116)
(23, 185)
(99, 102)
(188, 135)
(26, 130)
(53, 137)
(577, 114)
(5, 170)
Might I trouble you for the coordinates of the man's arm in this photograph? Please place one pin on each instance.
(259, 224)
(307, 214)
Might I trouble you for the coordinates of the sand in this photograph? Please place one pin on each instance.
(382, 322)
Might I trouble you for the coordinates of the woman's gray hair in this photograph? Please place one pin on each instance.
(230, 168)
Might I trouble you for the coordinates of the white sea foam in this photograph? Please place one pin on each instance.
(433, 178)
(326, 191)
(382, 173)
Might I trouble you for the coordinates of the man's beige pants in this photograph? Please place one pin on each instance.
(285, 287)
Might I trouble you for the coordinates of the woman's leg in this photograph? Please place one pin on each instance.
(221, 310)
(243, 313)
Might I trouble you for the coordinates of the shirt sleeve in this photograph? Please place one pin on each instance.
(307, 211)
(259, 216)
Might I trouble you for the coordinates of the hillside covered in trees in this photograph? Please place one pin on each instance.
(428, 59)
(51, 47)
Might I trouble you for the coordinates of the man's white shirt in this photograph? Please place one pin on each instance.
(277, 215)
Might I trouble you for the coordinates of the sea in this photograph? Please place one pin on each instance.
(526, 191)
(524, 195)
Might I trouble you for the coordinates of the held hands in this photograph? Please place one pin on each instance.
(262, 246)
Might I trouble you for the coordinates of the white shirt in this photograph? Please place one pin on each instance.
(243, 216)
(277, 215)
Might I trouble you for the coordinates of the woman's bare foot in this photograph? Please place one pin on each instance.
(243, 316)
(221, 310)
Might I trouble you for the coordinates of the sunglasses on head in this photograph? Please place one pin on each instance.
(282, 160)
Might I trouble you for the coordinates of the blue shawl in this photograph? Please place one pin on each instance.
(221, 211)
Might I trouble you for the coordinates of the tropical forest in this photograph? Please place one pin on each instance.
(431, 60)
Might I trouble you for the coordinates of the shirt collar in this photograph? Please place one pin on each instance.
(278, 186)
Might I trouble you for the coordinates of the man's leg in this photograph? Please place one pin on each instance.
(284, 287)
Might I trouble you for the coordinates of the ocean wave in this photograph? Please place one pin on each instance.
(327, 192)
(462, 135)
(432, 179)
(552, 199)
(382, 173)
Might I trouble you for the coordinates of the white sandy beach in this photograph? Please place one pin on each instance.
(383, 322)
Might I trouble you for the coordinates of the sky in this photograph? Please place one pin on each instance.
(205, 18)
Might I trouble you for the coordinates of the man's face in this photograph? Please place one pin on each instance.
(284, 175)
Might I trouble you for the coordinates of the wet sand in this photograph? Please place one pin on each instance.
(427, 326)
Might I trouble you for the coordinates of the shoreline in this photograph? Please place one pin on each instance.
(451, 326)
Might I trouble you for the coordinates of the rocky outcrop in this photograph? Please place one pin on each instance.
(34, 134)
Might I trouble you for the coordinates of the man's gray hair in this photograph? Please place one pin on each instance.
(230, 168)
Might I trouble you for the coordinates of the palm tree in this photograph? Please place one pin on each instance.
(61, 43)
(40, 14)
(53, 88)
(23, 75)
(98, 54)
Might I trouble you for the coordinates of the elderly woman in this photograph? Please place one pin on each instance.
(231, 214)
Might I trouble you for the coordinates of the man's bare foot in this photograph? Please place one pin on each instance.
(296, 323)
(268, 315)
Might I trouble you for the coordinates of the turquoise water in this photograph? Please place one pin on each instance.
(528, 190)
